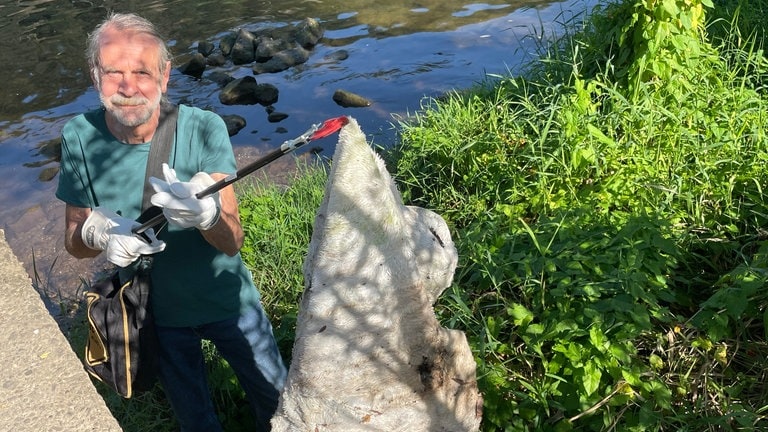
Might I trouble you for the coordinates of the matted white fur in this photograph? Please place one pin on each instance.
(369, 353)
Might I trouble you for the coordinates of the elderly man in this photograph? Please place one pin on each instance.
(200, 286)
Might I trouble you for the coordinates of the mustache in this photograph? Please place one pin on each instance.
(120, 100)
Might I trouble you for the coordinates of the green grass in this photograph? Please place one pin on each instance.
(609, 216)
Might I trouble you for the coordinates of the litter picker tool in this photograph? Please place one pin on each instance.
(317, 131)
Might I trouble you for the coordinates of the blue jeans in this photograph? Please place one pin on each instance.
(249, 346)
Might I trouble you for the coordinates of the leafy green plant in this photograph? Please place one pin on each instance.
(655, 42)
(597, 219)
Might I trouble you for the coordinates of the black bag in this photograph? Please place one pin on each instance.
(121, 334)
(121, 345)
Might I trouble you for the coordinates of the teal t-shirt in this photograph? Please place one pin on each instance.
(192, 282)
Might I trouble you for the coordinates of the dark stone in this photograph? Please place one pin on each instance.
(220, 78)
(234, 123)
(226, 43)
(205, 48)
(241, 91)
(350, 100)
(267, 47)
(271, 66)
(243, 48)
(276, 117)
(51, 149)
(47, 174)
(308, 32)
(266, 94)
(194, 67)
(246, 91)
(282, 61)
(338, 55)
(216, 59)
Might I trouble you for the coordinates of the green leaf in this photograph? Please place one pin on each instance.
(597, 338)
(521, 316)
(656, 362)
(632, 377)
(736, 303)
(662, 395)
(591, 378)
(600, 136)
(564, 425)
(572, 351)
(619, 353)
(535, 329)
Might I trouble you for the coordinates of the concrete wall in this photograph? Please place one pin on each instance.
(43, 386)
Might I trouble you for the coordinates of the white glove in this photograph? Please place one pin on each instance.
(180, 206)
(107, 231)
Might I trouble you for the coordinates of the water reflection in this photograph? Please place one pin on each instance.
(399, 52)
(44, 40)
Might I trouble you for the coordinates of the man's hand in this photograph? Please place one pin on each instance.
(106, 230)
(180, 206)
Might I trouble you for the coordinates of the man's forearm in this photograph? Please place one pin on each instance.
(227, 234)
(75, 246)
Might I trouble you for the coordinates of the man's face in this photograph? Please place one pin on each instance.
(129, 81)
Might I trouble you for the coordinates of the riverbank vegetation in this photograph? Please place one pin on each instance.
(609, 210)
(610, 216)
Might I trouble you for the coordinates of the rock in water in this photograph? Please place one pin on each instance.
(347, 99)
(195, 66)
(369, 353)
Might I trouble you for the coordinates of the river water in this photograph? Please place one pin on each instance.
(400, 53)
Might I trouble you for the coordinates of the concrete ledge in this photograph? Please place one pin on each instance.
(43, 386)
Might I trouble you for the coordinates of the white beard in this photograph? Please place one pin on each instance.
(130, 117)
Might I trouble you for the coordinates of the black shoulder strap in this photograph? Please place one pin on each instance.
(160, 150)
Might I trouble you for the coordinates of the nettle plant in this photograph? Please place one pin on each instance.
(657, 41)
